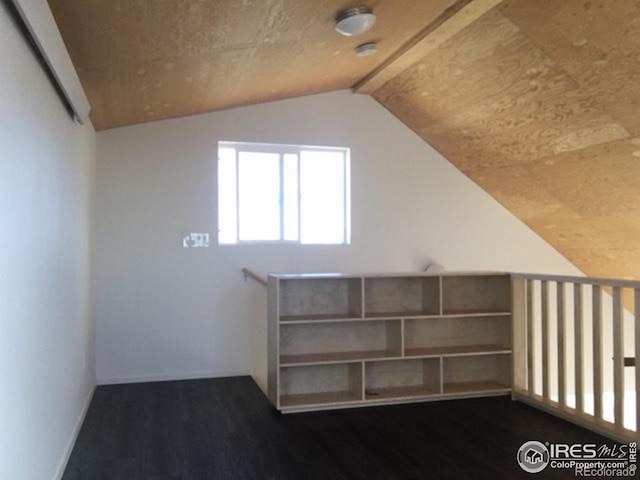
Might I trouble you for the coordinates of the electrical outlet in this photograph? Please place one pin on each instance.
(195, 240)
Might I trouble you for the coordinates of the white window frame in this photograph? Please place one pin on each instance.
(282, 150)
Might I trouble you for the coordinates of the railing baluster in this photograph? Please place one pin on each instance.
(530, 342)
(519, 334)
(618, 358)
(545, 338)
(540, 387)
(636, 295)
(597, 351)
(577, 344)
(560, 298)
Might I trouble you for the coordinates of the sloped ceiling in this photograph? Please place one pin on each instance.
(146, 60)
(538, 101)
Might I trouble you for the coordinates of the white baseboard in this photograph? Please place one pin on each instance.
(168, 377)
(74, 435)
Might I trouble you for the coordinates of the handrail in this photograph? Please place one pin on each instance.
(257, 277)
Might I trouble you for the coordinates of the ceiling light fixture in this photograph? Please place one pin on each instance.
(355, 21)
(366, 49)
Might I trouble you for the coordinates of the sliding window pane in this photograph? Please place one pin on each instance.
(290, 206)
(227, 208)
(259, 199)
(322, 202)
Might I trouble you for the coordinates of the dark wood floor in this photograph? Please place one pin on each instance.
(226, 429)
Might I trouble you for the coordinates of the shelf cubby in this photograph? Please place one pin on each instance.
(400, 379)
(456, 336)
(339, 341)
(476, 374)
(401, 296)
(320, 298)
(469, 294)
(318, 385)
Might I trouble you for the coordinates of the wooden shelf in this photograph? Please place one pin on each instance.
(475, 313)
(480, 387)
(419, 315)
(335, 357)
(388, 393)
(399, 314)
(334, 317)
(318, 399)
(456, 351)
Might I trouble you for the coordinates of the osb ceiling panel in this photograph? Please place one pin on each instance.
(538, 102)
(144, 60)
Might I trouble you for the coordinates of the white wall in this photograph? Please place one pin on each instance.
(166, 312)
(47, 366)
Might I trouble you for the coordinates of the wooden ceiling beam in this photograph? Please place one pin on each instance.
(452, 20)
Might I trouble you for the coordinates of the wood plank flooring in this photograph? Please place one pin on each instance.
(226, 429)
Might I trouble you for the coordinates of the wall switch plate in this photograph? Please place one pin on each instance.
(195, 240)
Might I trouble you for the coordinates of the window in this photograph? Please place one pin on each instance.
(283, 193)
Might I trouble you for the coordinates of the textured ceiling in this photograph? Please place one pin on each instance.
(538, 102)
(144, 60)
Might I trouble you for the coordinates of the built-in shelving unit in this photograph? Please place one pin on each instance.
(352, 340)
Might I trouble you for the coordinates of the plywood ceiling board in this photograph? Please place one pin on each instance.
(498, 80)
(515, 188)
(536, 97)
(527, 143)
(210, 55)
(596, 42)
(573, 204)
(600, 186)
(520, 106)
(596, 182)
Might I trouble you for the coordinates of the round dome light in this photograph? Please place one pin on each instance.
(355, 21)
(366, 49)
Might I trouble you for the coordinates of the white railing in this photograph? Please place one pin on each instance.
(575, 344)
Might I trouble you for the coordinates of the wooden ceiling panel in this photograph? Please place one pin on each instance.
(537, 102)
(212, 54)
(606, 183)
(506, 92)
(596, 42)
(514, 187)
